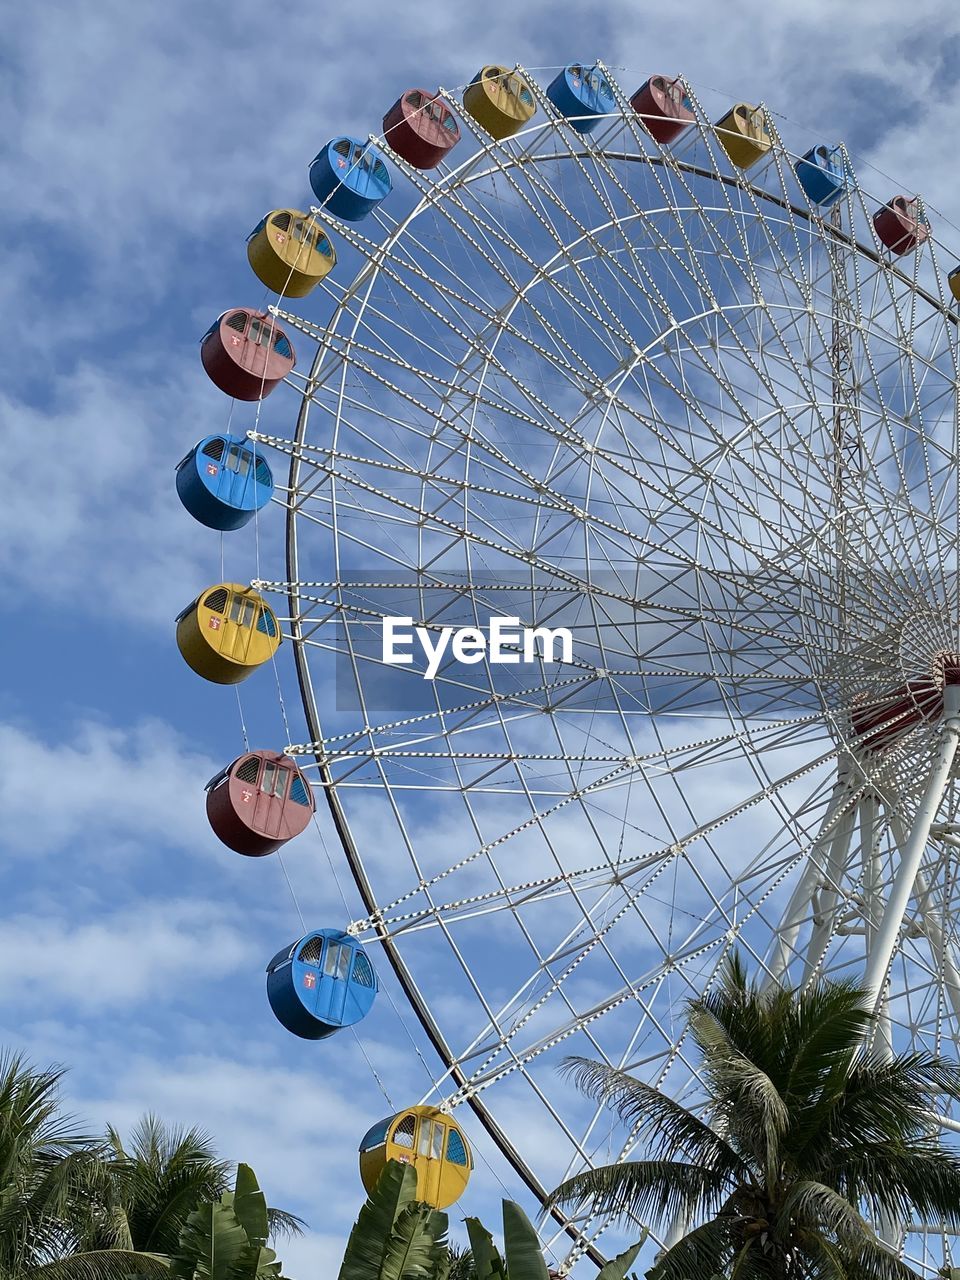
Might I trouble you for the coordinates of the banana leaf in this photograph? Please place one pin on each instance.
(372, 1233)
(250, 1205)
(415, 1250)
(617, 1268)
(212, 1245)
(521, 1245)
(486, 1260)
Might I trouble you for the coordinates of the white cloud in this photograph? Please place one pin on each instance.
(143, 784)
(101, 527)
(150, 126)
(120, 957)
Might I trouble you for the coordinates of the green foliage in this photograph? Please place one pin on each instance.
(416, 1247)
(460, 1265)
(521, 1245)
(395, 1237)
(488, 1265)
(617, 1268)
(50, 1175)
(149, 1188)
(250, 1205)
(225, 1239)
(808, 1136)
(74, 1207)
(523, 1259)
(212, 1244)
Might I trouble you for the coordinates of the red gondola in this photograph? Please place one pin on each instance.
(421, 128)
(246, 354)
(258, 803)
(899, 224)
(663, 107)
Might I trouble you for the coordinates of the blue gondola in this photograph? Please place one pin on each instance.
(823, 175)
(349, 178)
(223, 483)
(325, 981)
(582, 92)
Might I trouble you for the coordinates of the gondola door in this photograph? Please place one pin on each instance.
(238, 476)
(430, 1139)
(241, 616)
(256, 348)
(336, 972)
(270, 796)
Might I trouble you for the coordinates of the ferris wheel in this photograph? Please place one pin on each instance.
(686, 393)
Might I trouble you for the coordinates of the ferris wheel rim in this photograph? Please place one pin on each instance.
(404, 975)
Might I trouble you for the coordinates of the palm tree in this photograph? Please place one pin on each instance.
(460, 1264)
(807, 1136)
(149, 1189)
(49, 1173)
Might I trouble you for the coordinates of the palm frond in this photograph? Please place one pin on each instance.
(830, 1021)
(284, 1225)
(670, 1131)
(750, 1101)
(656, 1190)
(873, 1261)
(901, 1179)
(105, 1264)
(824, 1260)
(705, 1251)
(815, 1207)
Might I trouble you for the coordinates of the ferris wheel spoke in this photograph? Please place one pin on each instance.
(621, 872)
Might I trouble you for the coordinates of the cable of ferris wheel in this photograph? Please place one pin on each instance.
(356, 1035)
(407, 984)
(507, 169)
(509, 159)
(254, 435)
(560, 1033)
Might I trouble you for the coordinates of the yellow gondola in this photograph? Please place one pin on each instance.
(953, 280)
(430, 1141)
(743, 135)
(290, 252)
(500, 101)
(227, 632)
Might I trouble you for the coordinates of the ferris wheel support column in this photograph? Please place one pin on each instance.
(888, 933)
(870, 848)
(798, 909)
(930, 922)
(823, 910)
(889, 1228)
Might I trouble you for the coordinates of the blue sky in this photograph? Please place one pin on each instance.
(143, 143)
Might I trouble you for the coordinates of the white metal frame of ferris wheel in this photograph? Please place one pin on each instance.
(862, 796)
